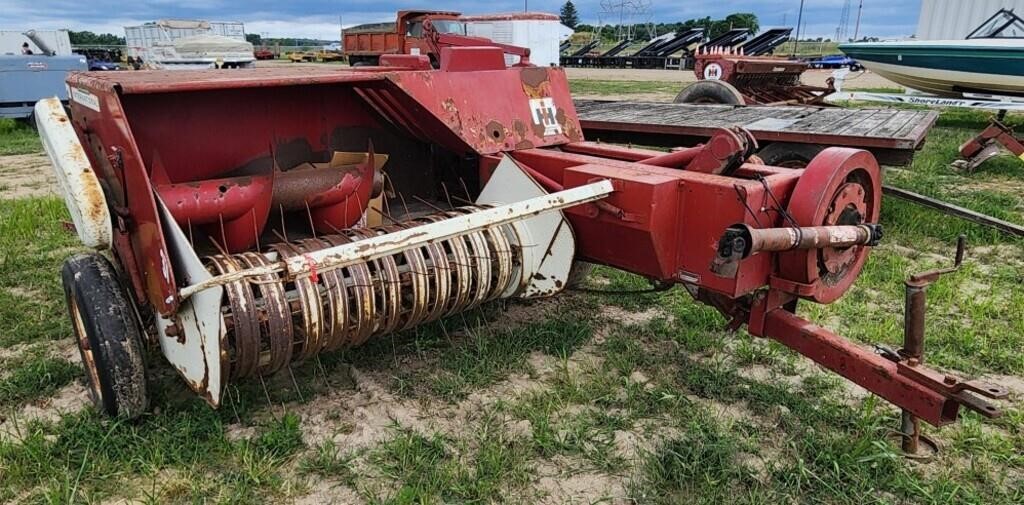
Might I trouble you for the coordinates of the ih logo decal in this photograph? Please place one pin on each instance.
(544, 114)
(713, 72)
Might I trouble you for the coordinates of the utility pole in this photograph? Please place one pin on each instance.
(856, 29)
(799, 18)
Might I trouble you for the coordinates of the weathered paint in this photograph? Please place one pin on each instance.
(78, 183)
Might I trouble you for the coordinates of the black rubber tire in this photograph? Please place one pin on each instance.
(710, 92)
(108, 334)
(789, 155)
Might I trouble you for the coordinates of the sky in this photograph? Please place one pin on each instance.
(321, 19)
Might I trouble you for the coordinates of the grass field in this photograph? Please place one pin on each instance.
(584, 398)
(18, 138)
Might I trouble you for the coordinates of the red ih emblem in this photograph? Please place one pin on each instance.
(544, 114)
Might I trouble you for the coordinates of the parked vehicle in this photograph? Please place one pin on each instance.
(418, 33)
(835, 61)
(27, 78)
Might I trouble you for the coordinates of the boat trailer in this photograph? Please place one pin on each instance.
(351, 204)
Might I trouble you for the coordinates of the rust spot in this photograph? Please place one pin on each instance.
(534, 76)
(495, 131)
(535, 82)
(452, 114)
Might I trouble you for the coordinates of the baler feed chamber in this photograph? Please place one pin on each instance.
(235, 197)
(238, 168)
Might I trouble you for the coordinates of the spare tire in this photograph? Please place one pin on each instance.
(707, 92)
(789, 154)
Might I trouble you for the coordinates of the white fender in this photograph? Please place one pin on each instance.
(79, 185)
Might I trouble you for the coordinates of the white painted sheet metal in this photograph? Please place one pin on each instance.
(78, 183)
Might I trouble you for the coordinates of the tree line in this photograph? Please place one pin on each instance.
(712, 27)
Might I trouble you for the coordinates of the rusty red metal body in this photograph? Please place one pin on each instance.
(763, 80)
(986, 144)
(224, 152)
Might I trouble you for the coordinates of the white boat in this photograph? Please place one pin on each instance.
(989, 61)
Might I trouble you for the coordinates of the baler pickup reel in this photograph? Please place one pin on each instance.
(338, 290)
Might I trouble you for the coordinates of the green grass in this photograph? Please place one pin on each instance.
(662, 407)
(32, 377)
(601, 87)
(33, 244)
(17, 138)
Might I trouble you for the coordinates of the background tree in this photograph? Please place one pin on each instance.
(254, 39)
(92, 39)
(569, 15)
(743, 20)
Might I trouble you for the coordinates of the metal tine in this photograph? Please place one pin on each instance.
(463, 200)
(218, 246)
(223, 236)
(401, 198)
(231, 401)
(280, 210)
(385, 215)
(191, 239)
(465, 189)
(323, 370)
(266, 394)
(255, 229)
(296, 384)
(309, 214)
(428, 204)
(447, 196)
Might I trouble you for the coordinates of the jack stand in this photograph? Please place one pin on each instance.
(913, 349)
(986, 145)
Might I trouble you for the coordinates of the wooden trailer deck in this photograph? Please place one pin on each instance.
(893, 135)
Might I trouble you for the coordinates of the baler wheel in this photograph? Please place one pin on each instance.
(710, 92)
(789, 154)
(108, 334)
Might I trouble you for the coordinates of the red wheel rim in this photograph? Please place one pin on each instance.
(839, 186)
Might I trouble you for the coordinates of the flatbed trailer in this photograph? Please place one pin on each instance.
(892, 135)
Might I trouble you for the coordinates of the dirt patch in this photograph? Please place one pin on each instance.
(1004, 186)
(23, 292)
(70, 399)
(557, 486)
(1011, 382)
(325, 491)
(26, 175)
(629, 318)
